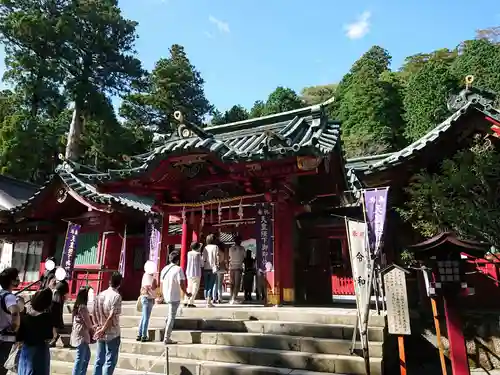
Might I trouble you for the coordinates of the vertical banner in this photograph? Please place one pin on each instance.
(69, 249)
(264, 238)
(6, 257)
(360, 260)
(376, 208)
(123, 253)
(153, 239)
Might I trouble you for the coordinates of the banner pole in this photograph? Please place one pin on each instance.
(358, 310)
(366, 315)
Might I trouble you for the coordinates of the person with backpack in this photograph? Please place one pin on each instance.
(173, 281)
(10, 317)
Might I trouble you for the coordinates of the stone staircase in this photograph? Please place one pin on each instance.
(241, 340)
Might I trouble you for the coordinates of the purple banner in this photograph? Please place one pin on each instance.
(69, 249)
(264, 238)
(153, 239)
(376, 208)
(123, 253)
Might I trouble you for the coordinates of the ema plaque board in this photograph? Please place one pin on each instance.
(398, 316)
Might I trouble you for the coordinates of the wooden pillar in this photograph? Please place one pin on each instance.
(187, 235)
(283, 251)
(163, 256)
(458, 351)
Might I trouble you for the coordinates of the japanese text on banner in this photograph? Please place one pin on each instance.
(360, 259)
(265, 249)
(376, 207)
(69, 249)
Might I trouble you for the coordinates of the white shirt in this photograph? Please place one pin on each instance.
(236, 257)
(170, 277)
(210, 257)
(6, 319)
(147, 283)
(194, 264)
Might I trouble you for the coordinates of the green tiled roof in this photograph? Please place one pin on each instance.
(467, 102)
(89, 192)
(305, 131)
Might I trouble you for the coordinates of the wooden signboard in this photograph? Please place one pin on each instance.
(398, 316)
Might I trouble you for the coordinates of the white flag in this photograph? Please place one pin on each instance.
(360, 260)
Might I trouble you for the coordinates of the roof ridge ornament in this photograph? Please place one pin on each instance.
(187, 129)
(470, 94)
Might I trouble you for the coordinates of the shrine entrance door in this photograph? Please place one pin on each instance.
(313, 272)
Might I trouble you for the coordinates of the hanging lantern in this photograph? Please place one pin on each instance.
(219, 212)
(202, 224)
(240, 210)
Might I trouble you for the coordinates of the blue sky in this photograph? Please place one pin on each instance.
(246, 48)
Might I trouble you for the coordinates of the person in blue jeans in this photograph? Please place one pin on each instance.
(107, 310)
(81, 332)
(148, 295)
(34, 333)
(210, 257)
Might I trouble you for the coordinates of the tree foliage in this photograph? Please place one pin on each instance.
(463, 196)
(173, 85)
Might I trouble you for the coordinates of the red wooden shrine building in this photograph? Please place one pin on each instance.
(221, 179)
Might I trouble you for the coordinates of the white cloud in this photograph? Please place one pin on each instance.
(360, 27)
(209, 35)
(221, 25)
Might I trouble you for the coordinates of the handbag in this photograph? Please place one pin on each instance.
(12, 361)
(138, 304)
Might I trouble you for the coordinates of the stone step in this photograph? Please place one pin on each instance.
(245, 312)
(345, 316)
(222, 359)
(327, 331)
(256, 340)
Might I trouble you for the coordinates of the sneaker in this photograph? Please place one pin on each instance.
(145, 339)
(231, 302)
(191, 305)
(169, 341)
(138, 338)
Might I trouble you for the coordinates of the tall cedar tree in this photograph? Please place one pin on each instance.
(234, 114)
(367, 105)
(425, 98)
(173, 85)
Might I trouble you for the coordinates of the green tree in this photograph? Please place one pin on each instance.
(481, 58)
(281, 100)
(86, 48)
(368, 104)
(173, 85)
(318, 94)
(258, 109)
(234, 114)
(425, 97)
(414, 63)
(462, 196)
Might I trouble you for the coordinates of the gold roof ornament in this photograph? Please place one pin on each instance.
(468, 81)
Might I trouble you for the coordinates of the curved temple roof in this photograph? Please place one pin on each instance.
(89, 192)
(305, 131)
(462, 104)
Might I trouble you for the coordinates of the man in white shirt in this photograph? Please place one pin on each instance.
(236, 257)
(193, 273)
(173, 282)
(9, 314)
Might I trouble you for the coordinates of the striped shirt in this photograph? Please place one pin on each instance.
(194, 264)
(107, 303)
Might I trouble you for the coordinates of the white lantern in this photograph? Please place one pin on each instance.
(50, 265)
(60, 274)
